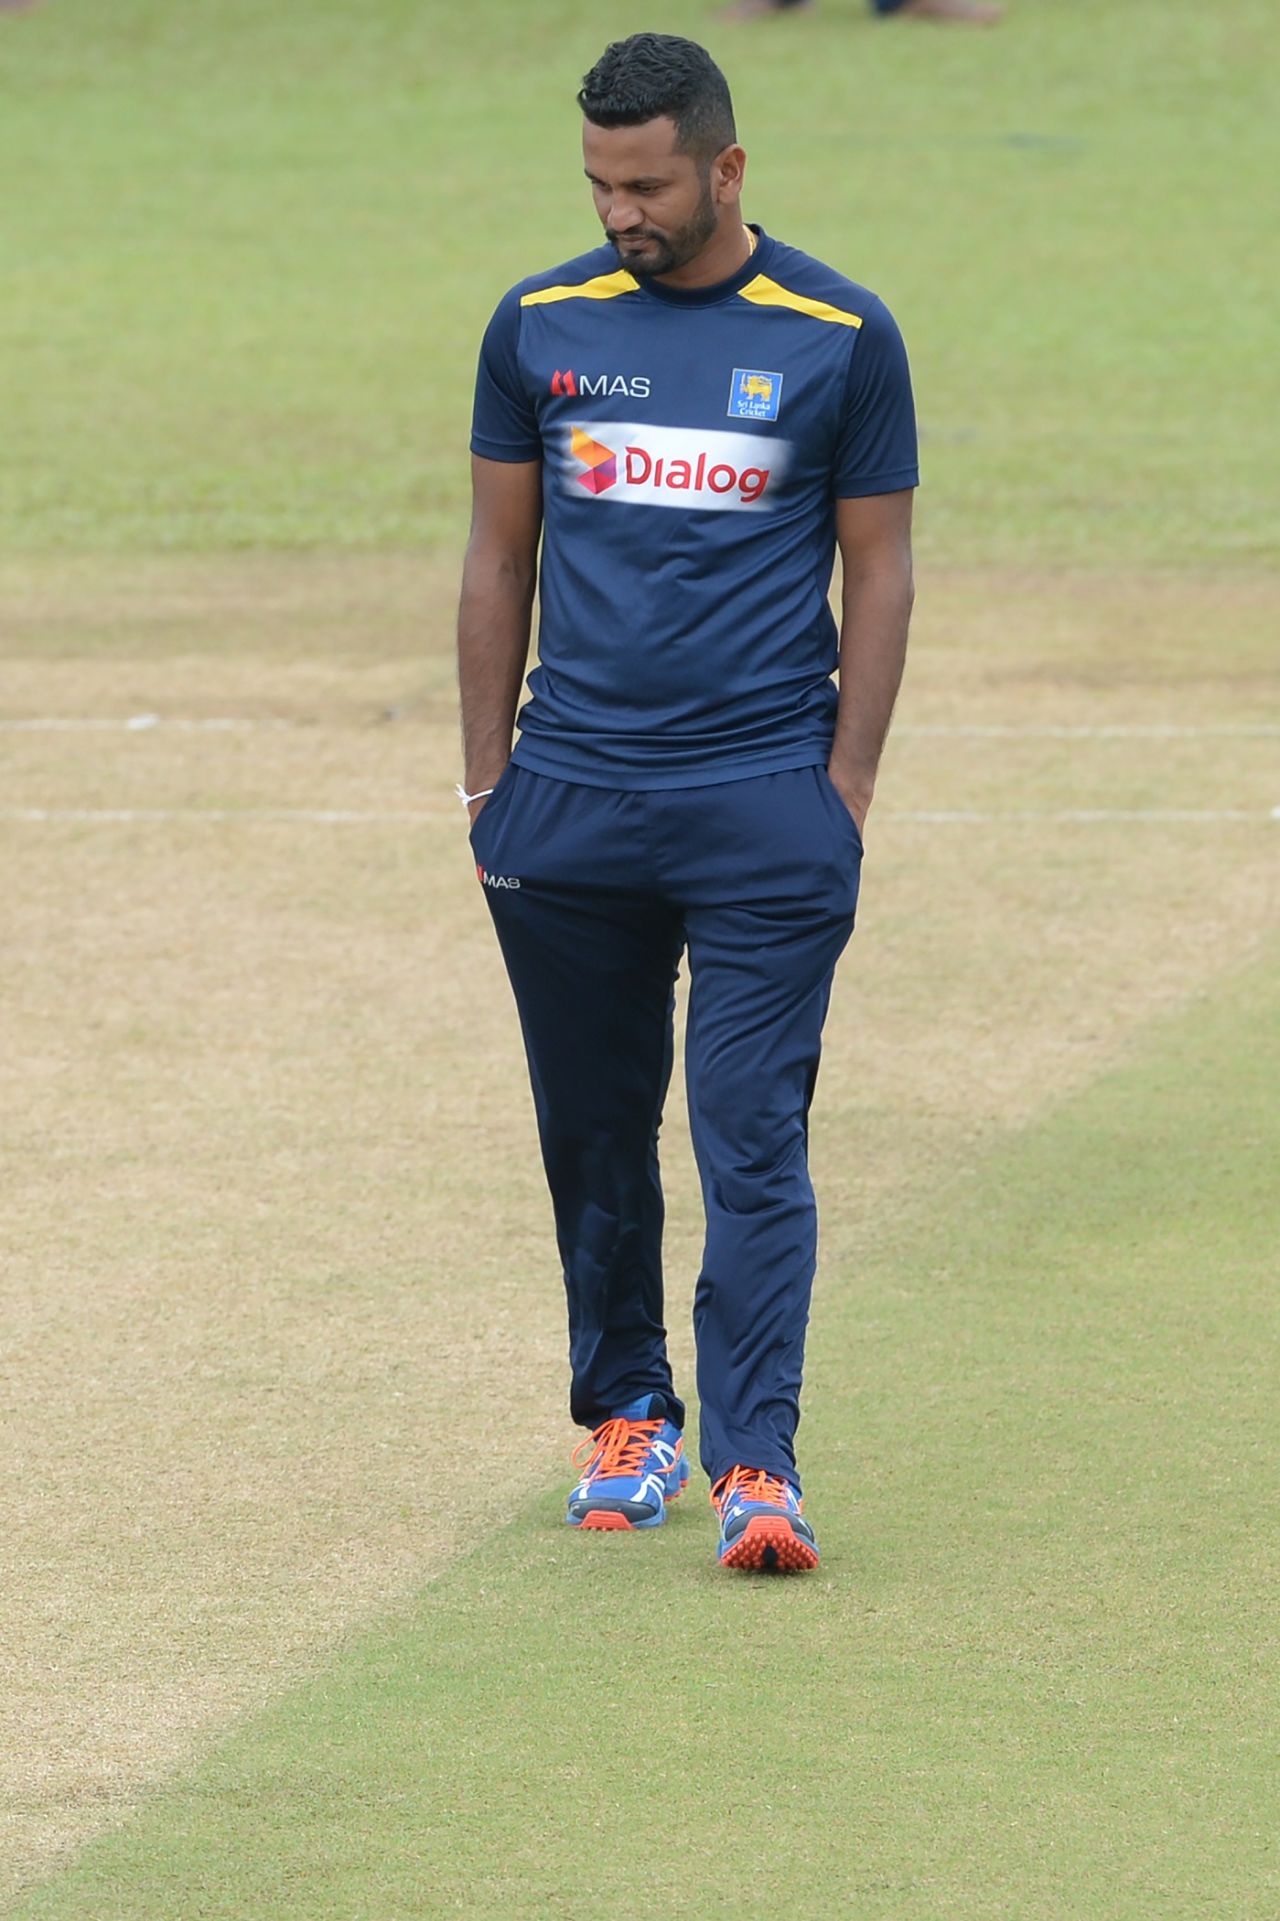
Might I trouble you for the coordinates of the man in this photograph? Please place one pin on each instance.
(689, 416)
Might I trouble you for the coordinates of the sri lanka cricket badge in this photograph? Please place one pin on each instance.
(754, 395)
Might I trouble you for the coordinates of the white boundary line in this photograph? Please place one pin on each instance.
(1156, 730)
(409, 817)
(1082, 816)
(288, 816)
(138, 724)
(233, 724)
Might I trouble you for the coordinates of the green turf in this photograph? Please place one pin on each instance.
(1035, 1677)
(248, 248)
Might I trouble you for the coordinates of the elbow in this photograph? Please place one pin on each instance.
(511, 568)
(888, 577)
(518, 571)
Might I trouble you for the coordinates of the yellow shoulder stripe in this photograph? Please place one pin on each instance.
(603, 287)
(763, 292)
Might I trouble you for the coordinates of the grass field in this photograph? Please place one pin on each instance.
(291, 1626)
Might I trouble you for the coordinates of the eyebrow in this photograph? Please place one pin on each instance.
(645, 180)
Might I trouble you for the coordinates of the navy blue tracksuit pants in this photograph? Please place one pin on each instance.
(595, 894)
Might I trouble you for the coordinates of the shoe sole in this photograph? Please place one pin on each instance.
(608, 1520)
(769, 1546)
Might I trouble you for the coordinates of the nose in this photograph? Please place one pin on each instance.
(622, 217)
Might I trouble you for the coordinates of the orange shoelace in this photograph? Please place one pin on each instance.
(749, 1484)
(615, 1449)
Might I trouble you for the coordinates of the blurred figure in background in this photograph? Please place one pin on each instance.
(974, 13)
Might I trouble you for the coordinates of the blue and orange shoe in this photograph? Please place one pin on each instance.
(632, 1465)
(761, 1524)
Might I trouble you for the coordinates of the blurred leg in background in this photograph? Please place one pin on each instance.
(978, 13)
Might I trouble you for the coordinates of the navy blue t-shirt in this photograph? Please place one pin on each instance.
(689, 639)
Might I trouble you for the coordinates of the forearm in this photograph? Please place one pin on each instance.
(493, 646)
(876, 614)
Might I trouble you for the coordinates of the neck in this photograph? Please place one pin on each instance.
(728, 250)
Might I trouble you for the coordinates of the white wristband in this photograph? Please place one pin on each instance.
(467, 798)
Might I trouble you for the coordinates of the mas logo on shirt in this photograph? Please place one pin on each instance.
(565, 382)
(754, 395)
(635, 465)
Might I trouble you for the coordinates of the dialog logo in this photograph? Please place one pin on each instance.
(630, 464)
(600, 462)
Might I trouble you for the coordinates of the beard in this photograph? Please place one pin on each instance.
(666, 252)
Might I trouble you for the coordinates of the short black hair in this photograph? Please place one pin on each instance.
(652, 75)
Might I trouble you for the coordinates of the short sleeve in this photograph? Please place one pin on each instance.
(503, 423)
(876, 449)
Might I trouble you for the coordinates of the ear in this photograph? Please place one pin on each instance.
(728, 171)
